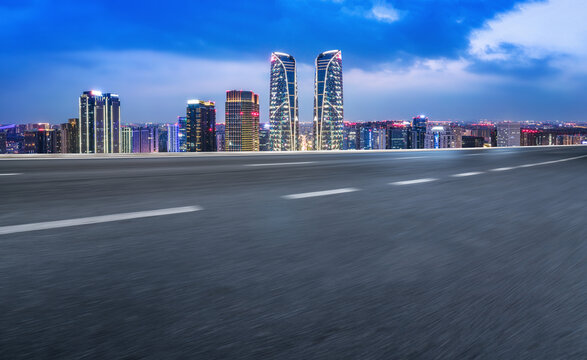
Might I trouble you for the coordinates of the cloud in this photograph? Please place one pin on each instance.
(535, 30)
(384, 12)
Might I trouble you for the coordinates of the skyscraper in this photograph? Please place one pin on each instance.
(328, 101)
(220, 137)
(181, 133)
(442, 137)
(126, 140)
(419, 127)
(283, 103)
(508, 134)
(242, 121)
(172, 138)
(2, 142)
(264, 137)
(201, 126)
(112, 123)
(73, 135)
(398, 135)
(99, 126)
(145, 139)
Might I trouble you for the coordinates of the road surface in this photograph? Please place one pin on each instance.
(473, 254)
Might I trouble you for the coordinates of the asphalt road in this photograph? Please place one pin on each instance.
(361, 255)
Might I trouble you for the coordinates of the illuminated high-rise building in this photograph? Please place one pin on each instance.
(264, 137)
(442, 137)
(2, 142)
(328, 102)
(201, 126)
(126, 140)
(112, 123)
(283, 103)
(242, 121)
(419, 128)
(508, 134)
(99, 122)
(73, 135)
(220, 137)
(398, 135)
(172, 138)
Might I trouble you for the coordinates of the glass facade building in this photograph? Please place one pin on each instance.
(126, 140)
(172, 138)
(99, 123)
(328, 101)
(242, 121)
(283, 103)
(201, 126)
(419, 128)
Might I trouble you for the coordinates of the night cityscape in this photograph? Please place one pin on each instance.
(308, 179)
(98, 128)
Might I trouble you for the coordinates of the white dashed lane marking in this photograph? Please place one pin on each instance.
(320, 193)
(282, 164)
(473, 173)
(95, 220)
(412, 182)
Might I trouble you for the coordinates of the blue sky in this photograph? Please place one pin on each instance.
(451, 59)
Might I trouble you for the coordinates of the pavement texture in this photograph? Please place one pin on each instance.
(491, 265)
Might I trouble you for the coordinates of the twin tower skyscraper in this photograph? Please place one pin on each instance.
(328, 102)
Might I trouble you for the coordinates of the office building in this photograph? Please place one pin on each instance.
(473, 141)
(41, 141)
(14, 138)
(99, 124)
(265, 137)
(172, 138)
(162, 138)
(399, 135)
(201, 126)
(530, 137)
(328, 101)
(112, 123)
(220, 137)
(441, 137)
(485, 130)
(126, 140)
(351, 136)
(182, 133)
(72, 127)
(2, 142)
(508, 134)
(145, 139)
(379, 141)
(242, 121)
(365, 138)
(418, 132)
(283, 103)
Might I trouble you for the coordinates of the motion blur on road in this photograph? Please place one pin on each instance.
(472, 254)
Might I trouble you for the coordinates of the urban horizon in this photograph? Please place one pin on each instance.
(100, 125)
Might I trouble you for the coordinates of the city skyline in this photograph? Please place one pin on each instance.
(472, 62)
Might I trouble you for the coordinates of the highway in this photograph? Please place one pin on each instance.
(470, 254)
